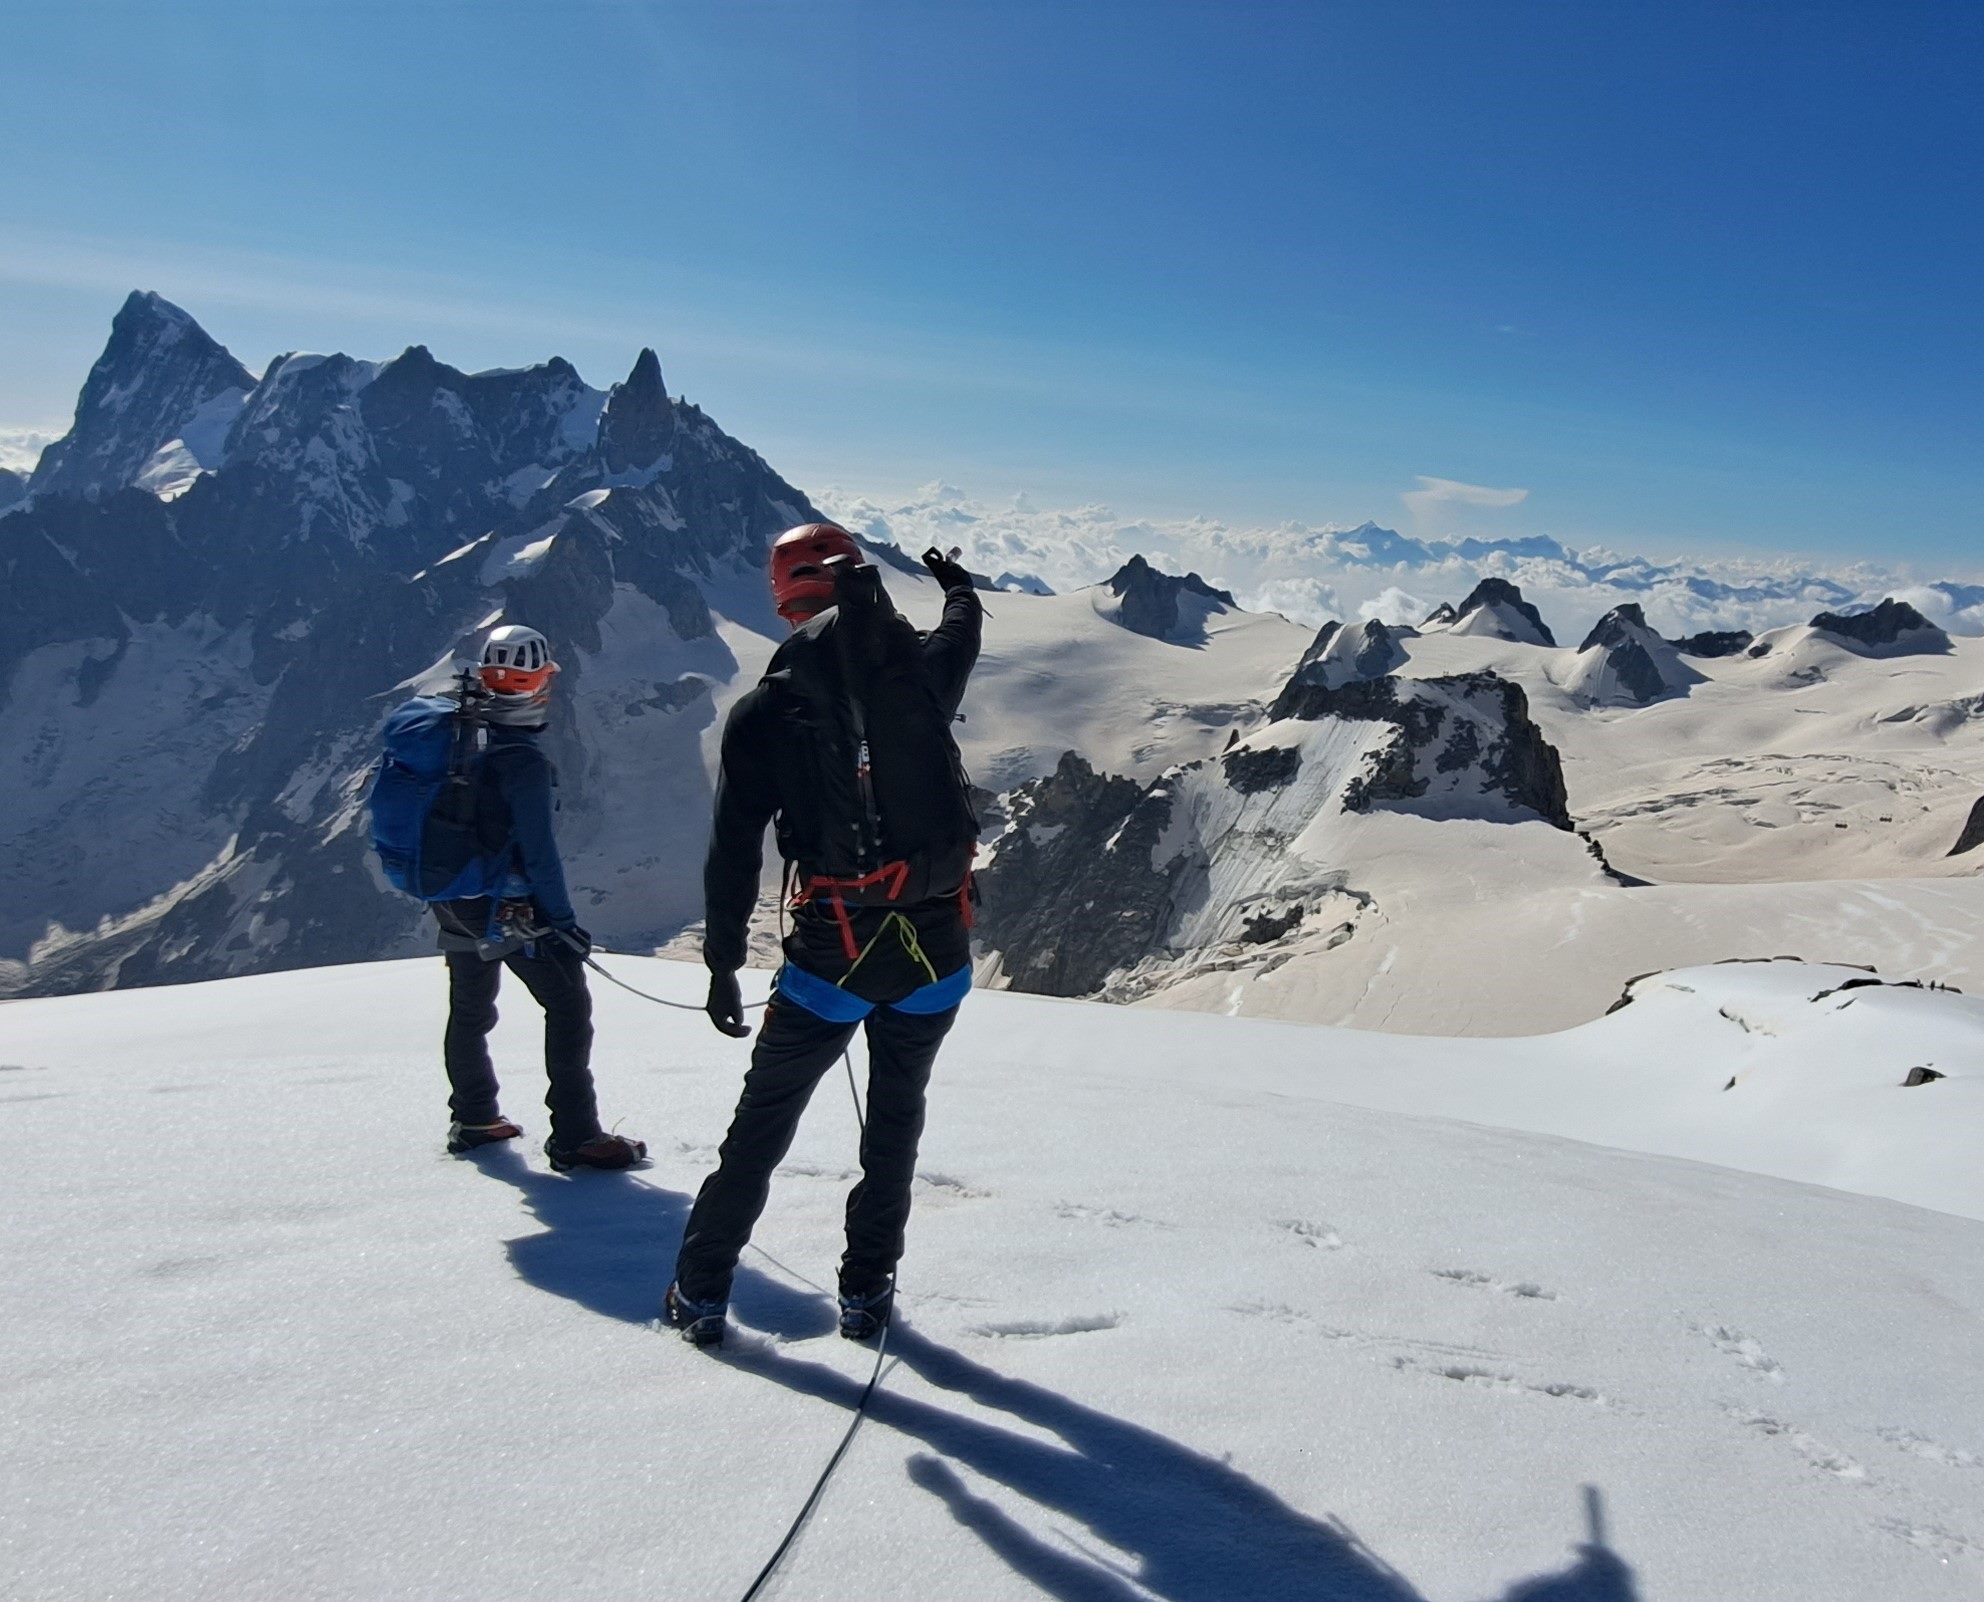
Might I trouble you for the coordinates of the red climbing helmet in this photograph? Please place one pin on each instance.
(802, 583)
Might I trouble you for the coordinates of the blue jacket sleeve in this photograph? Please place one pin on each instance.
(526, 781)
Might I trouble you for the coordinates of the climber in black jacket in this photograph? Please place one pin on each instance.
(845, 746)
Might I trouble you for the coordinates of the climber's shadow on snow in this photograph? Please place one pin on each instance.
(609, 1240)
(1189, 1528)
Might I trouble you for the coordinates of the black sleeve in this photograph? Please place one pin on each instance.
(950, 651)
(746, 798)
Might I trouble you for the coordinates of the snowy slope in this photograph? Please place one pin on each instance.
(1181, 1321)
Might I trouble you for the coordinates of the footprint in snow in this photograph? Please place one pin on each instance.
(1108, 1217)
(1310, 1233)
(1744, 1348)
(1814, 1451)
(1034, 1329)
(1529, 1290)
(1933, 1538)
(1921, 1446)
(1490, 1379)
(953, 1188)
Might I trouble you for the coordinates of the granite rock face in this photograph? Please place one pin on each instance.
(196, 647)
(1162, 605)
(1342, 652)
(1495, 609)
(1714, 643)
(160, 375)
(1095, 883)
(1894, 628)
(1622, 662)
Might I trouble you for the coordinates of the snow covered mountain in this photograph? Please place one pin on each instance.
(155, 409)
(196, 668)
(1624, 663)
(1194, 1308)
(1376, 824)
(1495, 610)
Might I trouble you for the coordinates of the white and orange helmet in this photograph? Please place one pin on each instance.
(516, 671)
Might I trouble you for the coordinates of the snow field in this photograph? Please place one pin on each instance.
(1182, 1322)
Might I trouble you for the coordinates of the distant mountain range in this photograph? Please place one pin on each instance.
(1315, 572)
(218, 582)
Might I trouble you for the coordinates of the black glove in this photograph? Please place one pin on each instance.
(945, 571)
(574, 939)
(726, 1005)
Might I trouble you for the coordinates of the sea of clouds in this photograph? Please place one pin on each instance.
(1315, 572)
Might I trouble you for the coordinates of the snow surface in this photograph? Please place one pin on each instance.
(1181, 1321)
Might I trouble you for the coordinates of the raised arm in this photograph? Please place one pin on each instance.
(950, 650)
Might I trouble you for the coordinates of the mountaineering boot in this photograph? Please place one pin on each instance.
(700, 1323)
(465, 1138)
(863, 1317)
(602, 1151)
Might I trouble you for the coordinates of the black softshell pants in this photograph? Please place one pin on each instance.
(556, 978)
(794, 1048)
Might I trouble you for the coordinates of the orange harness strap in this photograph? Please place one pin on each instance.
(894, 874)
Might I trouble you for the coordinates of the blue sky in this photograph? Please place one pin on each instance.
(1695, 278)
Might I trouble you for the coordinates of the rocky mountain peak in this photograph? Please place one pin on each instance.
(1341, 652)
(1624, 622)
(1162, 605)
(1494, 608)
(638, 426)
(1441, 616)
(1893, 626)
(161, 378)
(1623, 662)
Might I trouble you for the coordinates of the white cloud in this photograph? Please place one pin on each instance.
(21, 448)
(1394, 605)
(1438, 492)
(1312, 572)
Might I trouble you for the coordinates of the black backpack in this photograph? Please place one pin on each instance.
(875, 806)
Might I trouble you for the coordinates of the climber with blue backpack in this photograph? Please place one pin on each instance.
(462, 818)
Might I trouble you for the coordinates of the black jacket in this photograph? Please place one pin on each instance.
(857, 670)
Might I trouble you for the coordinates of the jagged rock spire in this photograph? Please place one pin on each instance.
(639, 424)
(157, 373)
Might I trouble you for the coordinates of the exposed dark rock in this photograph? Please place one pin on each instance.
(13, 488)
(1728, 642)
(329, 559)
(1266, 768)
(1442, 721)
(1070, 894)
(1921, 1076)
(1321, 642)
(1636, 667)
(1341, 652)
(1500, 593)
(159, 369)
(1973, 830)
(639, 423)
(1441, 615)
(1151, 599)
(1887, 625)
(1264, 928)
(1614, 626)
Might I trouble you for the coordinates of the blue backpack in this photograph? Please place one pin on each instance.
(434, 840)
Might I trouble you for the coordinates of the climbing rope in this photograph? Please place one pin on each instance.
(854, 1424)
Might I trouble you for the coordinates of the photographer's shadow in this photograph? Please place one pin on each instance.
(1190, 1527)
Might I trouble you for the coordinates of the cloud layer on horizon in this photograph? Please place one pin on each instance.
(1315, 572)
